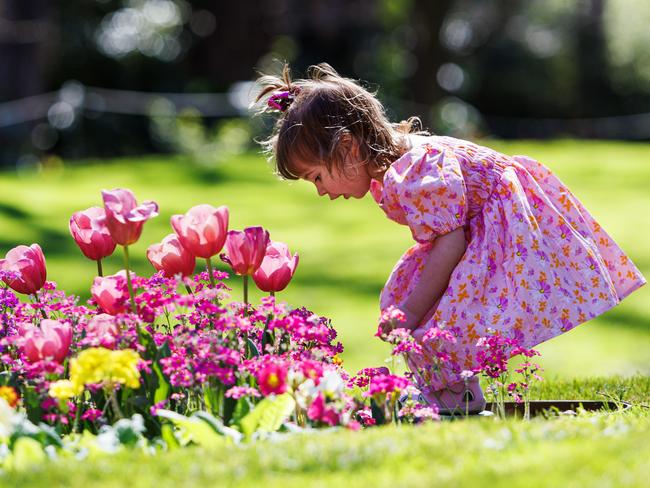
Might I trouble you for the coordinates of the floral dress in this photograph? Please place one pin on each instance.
(537, 264)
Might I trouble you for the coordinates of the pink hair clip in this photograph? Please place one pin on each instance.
(281, 99)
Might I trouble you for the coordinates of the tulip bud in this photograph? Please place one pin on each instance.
(111, 293)
(51, 341)
(124, 218)
(202, 230)
(245, 249)
(171, 257)
(88, 228)
(28, 267)
(277, 268)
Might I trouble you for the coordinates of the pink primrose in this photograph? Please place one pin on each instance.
(272, 379)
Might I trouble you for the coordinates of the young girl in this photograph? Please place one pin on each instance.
(500, 243)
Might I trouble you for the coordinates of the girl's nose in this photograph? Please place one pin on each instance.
(320, 191)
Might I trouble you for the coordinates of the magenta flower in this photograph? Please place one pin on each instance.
(124, 218)
(202, 230)
(237, 392)
(28, 266)
(171, 257)
(51, 341)
(386, 383)
(245, 250)
(319, 411)
(110, 293)
(277, 268)
(88, 228)
(272, 379)
(103, 329)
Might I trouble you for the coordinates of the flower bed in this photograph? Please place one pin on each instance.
(171, 359)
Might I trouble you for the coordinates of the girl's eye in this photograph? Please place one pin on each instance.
(317, 178)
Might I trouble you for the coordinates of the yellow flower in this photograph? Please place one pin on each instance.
(64, 389)
(336, 359)
(10, 395)
(100, 365)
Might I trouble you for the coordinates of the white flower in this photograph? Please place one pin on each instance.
(331, 382)
(8, 418)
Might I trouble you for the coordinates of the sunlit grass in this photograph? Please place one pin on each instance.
(605, 449)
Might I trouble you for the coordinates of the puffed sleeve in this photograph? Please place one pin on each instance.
(427, 188)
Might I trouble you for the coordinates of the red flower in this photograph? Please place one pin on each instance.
(272, 379)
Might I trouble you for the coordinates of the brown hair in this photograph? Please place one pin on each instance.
(328, 108)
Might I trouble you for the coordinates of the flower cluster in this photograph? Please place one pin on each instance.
(175, 341)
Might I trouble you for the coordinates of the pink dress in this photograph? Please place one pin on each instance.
(537, 264)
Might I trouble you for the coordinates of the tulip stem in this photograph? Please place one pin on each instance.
(116, 406)
(210, 274)
(272, 294)
(246, 290)
(100, 271)
(128, 279)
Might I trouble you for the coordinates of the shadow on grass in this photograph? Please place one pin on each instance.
(13, 212)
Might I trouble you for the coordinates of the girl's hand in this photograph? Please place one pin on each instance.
(410, 322)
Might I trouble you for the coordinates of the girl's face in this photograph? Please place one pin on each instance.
(354, 182)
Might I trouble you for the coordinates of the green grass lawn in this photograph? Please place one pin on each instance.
(347, 247)
(602, 450)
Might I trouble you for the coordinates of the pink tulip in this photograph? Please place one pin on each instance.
(245, 249)
(277, 268)
(28, 266)
(202, 230)
(88, 228)
(103, 328)
(124, 218)
(171, 257)
(51, 341)
(110, 293)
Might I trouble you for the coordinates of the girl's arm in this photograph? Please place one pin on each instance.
(446, 252)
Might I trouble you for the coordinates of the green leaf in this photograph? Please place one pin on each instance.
(167, 433)
(218, 426)
(268, 415)
(162, 392)
(27, 452)
(195, 429)
(252, 349)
